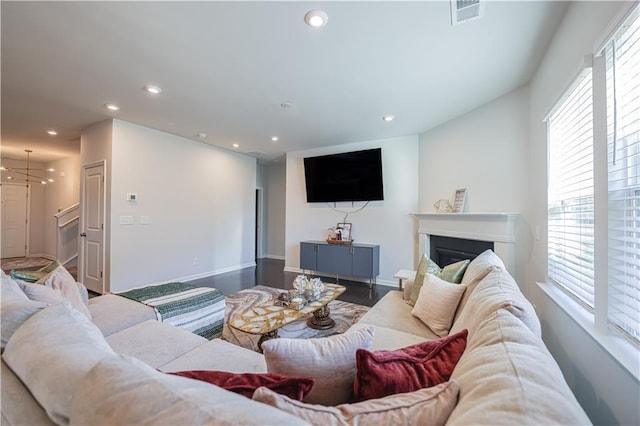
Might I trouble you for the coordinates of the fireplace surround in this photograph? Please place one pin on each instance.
(478, 231)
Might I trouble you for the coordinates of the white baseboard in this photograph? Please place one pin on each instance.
(46, 256)
(208, 273)
(273, 256)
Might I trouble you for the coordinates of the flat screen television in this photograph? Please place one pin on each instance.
(348, 176)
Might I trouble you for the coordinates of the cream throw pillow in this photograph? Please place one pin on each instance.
(453, 273)
(437, 303)
(60, 279)
(52, 352)
(429, 406)
(330, 360)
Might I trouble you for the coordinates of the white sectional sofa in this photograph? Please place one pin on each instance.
(505, 376)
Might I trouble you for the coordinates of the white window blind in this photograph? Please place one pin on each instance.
(623, 124)
(570, 193)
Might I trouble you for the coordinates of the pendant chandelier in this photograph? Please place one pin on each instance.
(27, 174)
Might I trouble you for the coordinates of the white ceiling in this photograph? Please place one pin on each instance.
(226, 67)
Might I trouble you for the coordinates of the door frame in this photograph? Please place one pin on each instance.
(27, 234)
(259, 223)
(81, 253)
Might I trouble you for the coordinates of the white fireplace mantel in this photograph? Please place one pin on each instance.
(499, 228)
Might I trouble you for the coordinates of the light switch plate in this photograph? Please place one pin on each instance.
(126, 220)
(145, 220)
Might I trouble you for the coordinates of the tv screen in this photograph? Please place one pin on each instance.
(349, 176)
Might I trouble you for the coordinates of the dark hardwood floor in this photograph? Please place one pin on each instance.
(270, 272)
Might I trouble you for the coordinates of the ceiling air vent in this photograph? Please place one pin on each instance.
(465, 10)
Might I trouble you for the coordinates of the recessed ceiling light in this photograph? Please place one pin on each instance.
(286, 105)
(51, 170)
(153, 89)
(44, 182)
(316, 18)
(112, 107)
(274, 138)
(236, 145)
(50, 180)
(52, 132)
(388, 118)
(9, 177)
(202, 135)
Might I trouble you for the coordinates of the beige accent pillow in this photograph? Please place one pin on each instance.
(125, 391)
(437, 304)
(52, 352)
(330, 360)
(430, 406)
(60, 279)
(452, 273)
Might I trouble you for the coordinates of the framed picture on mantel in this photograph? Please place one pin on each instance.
(458, 203)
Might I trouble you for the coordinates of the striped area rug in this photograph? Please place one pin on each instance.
(199, 310)
(344, 314)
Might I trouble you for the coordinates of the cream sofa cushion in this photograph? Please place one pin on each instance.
(479, 268)
(495, 291)
(16, 309)
(437, 303)
(52, 352)
(507, 377)
(113, 313)
(125, 391)
(330, 360)
(219, 355)
(393, 312)
(430, 406)
(154, 342)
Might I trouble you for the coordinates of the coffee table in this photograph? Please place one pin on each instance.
(266, 318)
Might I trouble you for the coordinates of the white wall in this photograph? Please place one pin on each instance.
(276, 210)
(63, 193)
(386, 223)
(608, 392)
(200, 201)
(486, 152)
(262, 185)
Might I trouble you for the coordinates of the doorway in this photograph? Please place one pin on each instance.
(14, 219)
(92, 227)
(259, 228)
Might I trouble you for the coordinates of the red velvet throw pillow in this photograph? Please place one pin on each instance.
(409, 369)
(246, 383)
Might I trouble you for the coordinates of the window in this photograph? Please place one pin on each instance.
(570, 193)
(573, 262)
(623, 145)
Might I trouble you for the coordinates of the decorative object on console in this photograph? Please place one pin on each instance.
(426, 364)
(458, 203)
(343, 231)
(443, 206)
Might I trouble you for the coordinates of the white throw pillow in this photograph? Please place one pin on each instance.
(61, 279)
(125, 391)
(52, 352)
(437, 303)
(429, 406)
(330, 360)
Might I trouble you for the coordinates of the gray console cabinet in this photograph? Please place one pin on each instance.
(356, 260)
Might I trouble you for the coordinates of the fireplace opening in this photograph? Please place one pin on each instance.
(447, 250)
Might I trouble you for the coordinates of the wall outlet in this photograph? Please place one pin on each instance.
(196, 261)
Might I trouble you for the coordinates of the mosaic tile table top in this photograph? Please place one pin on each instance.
(267, 317)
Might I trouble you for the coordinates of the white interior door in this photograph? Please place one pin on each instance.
(92, 228)
(14, 220)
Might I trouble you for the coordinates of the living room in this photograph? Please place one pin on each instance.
(200, 201)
